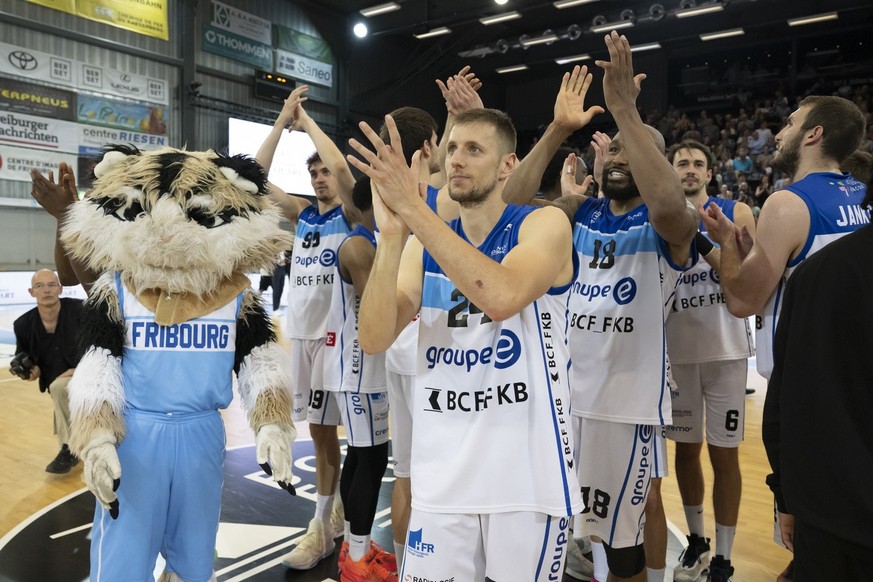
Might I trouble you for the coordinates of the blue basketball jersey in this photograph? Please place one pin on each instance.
(834, 204)
(179, 368)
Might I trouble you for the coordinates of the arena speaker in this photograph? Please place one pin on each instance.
(272, 86)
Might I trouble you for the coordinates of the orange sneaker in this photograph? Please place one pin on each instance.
(377, 566)
(343, 554)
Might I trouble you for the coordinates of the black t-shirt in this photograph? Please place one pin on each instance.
(54, 353)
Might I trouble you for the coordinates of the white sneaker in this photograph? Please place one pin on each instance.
(338, 515)
(313, 547)
(693, 561)
(577, 565)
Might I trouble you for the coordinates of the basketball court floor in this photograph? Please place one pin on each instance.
(45, 519)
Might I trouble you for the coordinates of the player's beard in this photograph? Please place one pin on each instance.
(473, 197)
(787, 157)
(619, 193)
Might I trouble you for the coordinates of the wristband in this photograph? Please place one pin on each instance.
(704, 245)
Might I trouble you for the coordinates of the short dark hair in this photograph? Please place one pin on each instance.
(415, 127)
(842, 122)
(692, 144)
(312, 159)
(362, 194)
(495, 118)
(859, 164)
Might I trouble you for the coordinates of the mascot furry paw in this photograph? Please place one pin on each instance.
(166, 326)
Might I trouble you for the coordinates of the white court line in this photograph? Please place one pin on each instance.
(70, 531)
(17, 529)
(250, 559)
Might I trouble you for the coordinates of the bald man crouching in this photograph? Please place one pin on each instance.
(47, 349)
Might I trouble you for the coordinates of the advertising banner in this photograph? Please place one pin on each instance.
(21, 130)
(304, 68)
(241, 23)
(40, 66)
(148, 17)
(239, 48)
(303, 44)
(38, 100)
(15, 163)
(121, 115)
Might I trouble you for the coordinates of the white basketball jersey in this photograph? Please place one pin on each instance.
(491, 429)
(312, 271)
(834, 204)
(401, 356)
(346, 367)
(699, 327)
(618, 307)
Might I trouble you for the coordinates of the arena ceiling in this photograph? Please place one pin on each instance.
(544, 31)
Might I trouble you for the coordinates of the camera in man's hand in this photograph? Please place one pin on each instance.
(21, 365)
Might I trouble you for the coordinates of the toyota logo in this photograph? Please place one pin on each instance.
(22, 60)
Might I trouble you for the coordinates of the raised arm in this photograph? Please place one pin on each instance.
(331, 156)
(56, 199)
(290, 206)
(461, 93)
(748, 283)
(392, 294)
(570, 116)
(660, 187)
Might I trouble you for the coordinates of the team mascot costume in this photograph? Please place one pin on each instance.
(165, 327)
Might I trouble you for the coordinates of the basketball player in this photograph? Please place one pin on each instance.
(819, 206)
(492, 289)
(711, 372)
(632, 246)
(321, 227)
(357, 380)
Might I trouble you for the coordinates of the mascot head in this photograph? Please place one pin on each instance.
(174, 220)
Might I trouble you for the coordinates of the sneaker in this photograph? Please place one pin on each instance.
(338, 516)
(720, 570)
(577, 566)
(63, 462)
(377, 566)
(343, 554)
(313, 547)
(787, 574)
(693, 560)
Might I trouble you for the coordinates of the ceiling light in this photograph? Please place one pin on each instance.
(561, 4)
(379, 9)
(723, 34)
(500, 2)
(573, 59)
(500, 18)
(610, 26)
(435, 32)
(547, 37)
(512, 69)
(698, 10)
(813, 18)
(645, 47)
(360, 30)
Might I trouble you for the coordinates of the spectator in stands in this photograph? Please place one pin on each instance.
(743, 163)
